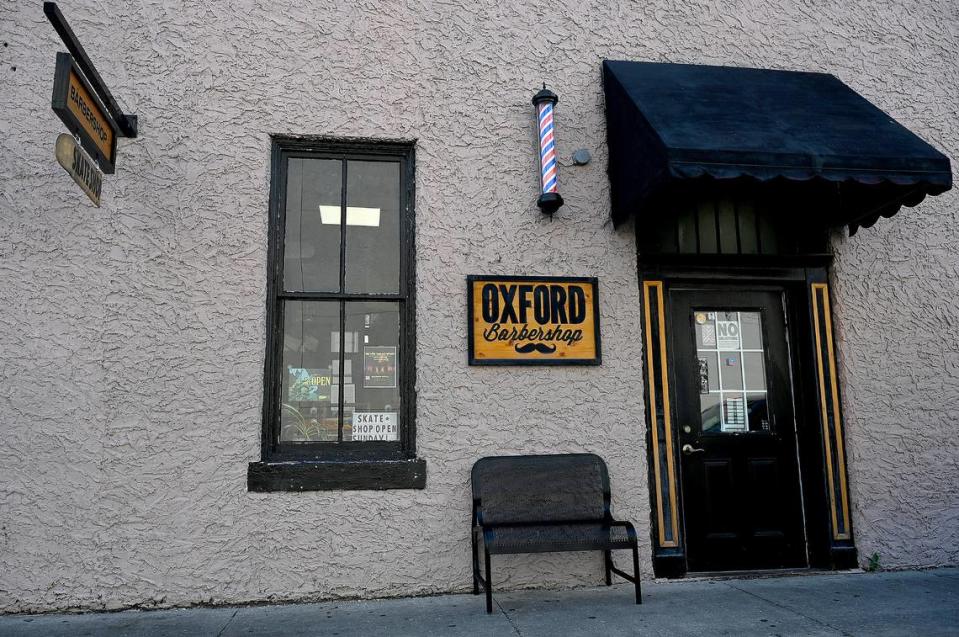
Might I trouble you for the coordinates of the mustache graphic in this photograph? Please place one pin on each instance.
(535, 347)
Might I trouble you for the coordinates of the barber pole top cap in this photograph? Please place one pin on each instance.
(545, 95)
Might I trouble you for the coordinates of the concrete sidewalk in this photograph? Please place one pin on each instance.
(898, 603)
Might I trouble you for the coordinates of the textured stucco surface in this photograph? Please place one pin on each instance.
(132, 336)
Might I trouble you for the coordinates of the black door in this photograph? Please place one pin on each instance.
(742, 500)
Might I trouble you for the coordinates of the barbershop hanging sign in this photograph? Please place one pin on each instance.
(521, 320)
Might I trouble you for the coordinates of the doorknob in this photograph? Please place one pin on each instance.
(689, 450)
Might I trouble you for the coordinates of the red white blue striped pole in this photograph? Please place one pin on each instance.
(549, 200)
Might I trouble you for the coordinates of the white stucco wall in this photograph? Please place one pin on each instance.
(132, 336)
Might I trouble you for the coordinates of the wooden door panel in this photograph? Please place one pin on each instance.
(720, 499)
(764, 485)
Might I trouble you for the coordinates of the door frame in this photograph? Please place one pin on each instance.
(820, 439)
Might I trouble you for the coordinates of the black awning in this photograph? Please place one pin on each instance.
(672, 122)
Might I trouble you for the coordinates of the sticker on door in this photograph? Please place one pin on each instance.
(727, 334)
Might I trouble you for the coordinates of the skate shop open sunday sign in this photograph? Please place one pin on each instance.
(523, 320)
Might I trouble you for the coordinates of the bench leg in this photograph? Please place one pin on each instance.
(639, 590)
(489, 585)
(475, 564)
(608, 563)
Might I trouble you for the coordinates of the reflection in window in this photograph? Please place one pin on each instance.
(311, 249)
(732, 374)
(372, 226)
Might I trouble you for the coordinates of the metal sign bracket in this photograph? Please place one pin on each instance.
(126, 123)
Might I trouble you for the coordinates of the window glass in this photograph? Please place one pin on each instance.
(732, 373)
(755, 371)
(310, 372)
(371, 407)
(758, 411)
(709, 382)
(372, 226)
(731, 370)
(709, 404)
(312, 239)
(752, 330)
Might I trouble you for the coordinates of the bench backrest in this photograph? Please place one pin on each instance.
(532, 489)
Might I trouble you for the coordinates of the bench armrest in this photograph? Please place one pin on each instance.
(477, 513)
(630, 530)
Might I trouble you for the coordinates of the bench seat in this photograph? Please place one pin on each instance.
(532, 538)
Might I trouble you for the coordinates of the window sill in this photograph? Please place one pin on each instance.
(266, 477)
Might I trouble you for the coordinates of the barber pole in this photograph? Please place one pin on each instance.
(549, 200)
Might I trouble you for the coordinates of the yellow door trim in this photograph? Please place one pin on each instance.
(823, 328)
(649, 288)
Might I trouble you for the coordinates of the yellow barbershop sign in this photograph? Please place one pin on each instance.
(533, 321)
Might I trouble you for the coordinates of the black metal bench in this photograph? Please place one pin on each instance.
(540, 504)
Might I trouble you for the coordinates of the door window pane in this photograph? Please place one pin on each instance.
(708, 372)
(758, 411)
(755, 371)
(733, 412)
(371, 408)
(731, 370)
(732, 375)
(752, 330)
(311, 259)
(310, 372)
(372, 227)
(712, 420)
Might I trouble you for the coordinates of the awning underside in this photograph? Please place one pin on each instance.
(668, 123)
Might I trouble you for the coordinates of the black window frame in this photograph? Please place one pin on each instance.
(338, 465)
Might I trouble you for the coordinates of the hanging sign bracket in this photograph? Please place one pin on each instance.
(126, 123)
